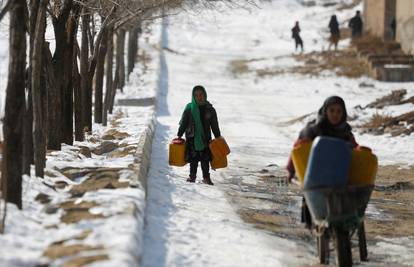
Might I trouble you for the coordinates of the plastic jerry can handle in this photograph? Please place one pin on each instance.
(178, 141)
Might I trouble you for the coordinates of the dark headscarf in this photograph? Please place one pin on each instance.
(322, 127)
(199, 143)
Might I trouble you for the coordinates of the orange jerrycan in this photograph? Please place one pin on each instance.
(218, 162)
(177, 152)
(219, 147)
(300, 156)
(364, 165)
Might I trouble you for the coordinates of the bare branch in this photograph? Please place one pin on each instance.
(103, 28)
(5, 9)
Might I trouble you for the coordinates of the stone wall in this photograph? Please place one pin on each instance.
(405, 25)
(374, 17)
(378, 15)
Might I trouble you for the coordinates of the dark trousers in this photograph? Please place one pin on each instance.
(298, 42)
(205, 166)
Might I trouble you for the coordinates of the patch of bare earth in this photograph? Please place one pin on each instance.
(76, 212)
(84, 260)
(393, 198)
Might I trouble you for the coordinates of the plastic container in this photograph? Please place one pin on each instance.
(300, 157)
(329, 163)
(218, 162)
(219, 147)
(364, 166)
(177, 153)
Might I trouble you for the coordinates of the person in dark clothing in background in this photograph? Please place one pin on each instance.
(296, 36)
(335, 32)
(198, 120)
(331, 121)
(393, 26)
(356, 25)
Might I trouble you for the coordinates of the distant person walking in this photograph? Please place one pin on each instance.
(356, 25)
(335, 32)
(296, 36)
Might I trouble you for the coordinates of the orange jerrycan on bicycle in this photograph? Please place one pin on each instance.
(176, 155)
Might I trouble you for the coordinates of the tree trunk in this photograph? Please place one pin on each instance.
(67, 102)
(28, 129)
(79, 135)
(86, 91)
(28, 117)
(99, 76)
(120, 59)
(109, 66)
(132, 49)
(59, 102)
(55, 92)
(15, 106)
(38, 91)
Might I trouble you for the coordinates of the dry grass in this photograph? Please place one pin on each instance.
(239, 67)
(376, 45)
(377, 120)
(342, 63)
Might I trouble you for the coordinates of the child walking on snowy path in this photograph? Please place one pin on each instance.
(198, 120)
(331, 121)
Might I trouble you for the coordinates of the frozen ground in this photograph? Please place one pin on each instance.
(194, 224)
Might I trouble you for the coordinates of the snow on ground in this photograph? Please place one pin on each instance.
(30, 231)
(193, 224)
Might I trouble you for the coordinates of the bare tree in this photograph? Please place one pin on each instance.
(120, 58)
(133, 35)
(99, 76)
(38, 91)
(86, 90)
(3, 218)
(60, 99)
(109, 78)
(14, 111)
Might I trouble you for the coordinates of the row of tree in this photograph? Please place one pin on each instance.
(49, 92)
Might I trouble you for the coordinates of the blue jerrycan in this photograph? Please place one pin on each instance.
(328, 167)
(329, 163)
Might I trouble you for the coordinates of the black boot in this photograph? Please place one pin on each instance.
(207, 180)
(191, 179)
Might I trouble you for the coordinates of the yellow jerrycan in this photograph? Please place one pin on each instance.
(300, 156)
(177, 152)
(218, 162)
(364, 166)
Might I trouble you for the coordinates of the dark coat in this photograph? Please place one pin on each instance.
(295, 32)
(210, 123)
(356, 25)
(322, 127)
(334, 27)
